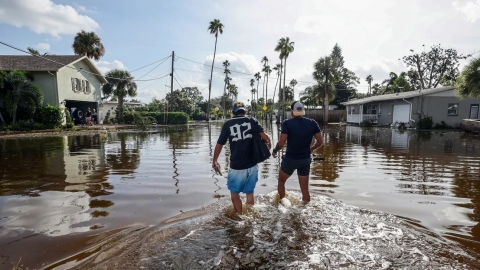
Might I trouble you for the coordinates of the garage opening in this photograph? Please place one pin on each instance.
(78, 110)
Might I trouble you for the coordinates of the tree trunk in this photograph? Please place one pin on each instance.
(256, 106)
(266, 98)
(210, 83)
(279, 89)
(326, 103)
(273, 97)
(120, 109)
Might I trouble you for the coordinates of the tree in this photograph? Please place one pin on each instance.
(252, 84)
(193, 94)
(369, 80)
(308, 97)
(435, 66)
(326, 74)
(89, 44)
(267, 71)
(285, 47)
(16, 90)
(119, 84)
(33, 51)
(226, 71)
(233, 90)
(257, 78)
(265, 63)
(468, 83)
(389, 83)
(179, 101)
(376, 89)
(135, 100)
(345, 87)
(215, 27)
(293, 82)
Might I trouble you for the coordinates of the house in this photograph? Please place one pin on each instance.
(442, 104)
(70, 81)
(112, 105)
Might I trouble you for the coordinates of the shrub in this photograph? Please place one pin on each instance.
(442, 125)
(171, 118)
(425, 123)
(50, 116)
(366, 123)
(142, 122)
(106, 120)
(198, 115)
(26, 125)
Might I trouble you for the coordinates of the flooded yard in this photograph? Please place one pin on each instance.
(59, 196)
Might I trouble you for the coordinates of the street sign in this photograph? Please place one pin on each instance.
(264, 108)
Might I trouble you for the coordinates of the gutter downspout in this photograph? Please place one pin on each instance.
(410, 112)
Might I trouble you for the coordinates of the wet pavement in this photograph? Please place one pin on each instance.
(61, 196)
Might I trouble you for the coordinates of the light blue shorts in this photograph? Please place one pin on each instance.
(242, 180)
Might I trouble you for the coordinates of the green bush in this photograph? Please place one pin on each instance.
(26, 125)
(442, 125)
(170, 118)
(50, 116)
(366, 123)
(425, 123)
(142, 122)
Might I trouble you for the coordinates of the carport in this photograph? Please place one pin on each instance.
(79, 108)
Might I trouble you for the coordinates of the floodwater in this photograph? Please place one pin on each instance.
(382, 199)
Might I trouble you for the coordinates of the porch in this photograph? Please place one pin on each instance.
(359, 118)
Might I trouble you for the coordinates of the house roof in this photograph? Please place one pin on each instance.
(35, 63)
(125, 102)
(402, 95)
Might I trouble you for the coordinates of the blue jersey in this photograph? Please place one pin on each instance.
(238, 131)
(300, 131)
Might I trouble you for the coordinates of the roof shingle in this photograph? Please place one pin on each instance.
(33, 63)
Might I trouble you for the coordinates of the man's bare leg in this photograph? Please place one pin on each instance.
(237, 202)
(282, 178)
(304, 188)
(250, 199)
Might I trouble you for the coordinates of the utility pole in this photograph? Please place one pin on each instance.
(171, 74)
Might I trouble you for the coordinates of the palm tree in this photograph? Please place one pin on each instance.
(233, 90)
(257, 77)
(278, 68)
(226, 64)
(33, 51)
(267, 71)
(293, 82)
(468, 83)
(265, 63)
(285, 47)
(252, 84)
(326, 74)
(376, 89)
(17, 90)
(369, 79)
(89, 44)
(215, 27)
(389, 82)
(119, 84)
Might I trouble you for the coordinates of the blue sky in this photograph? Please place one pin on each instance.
(372, 33)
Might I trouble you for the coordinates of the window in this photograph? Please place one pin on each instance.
(452, 109)
(87, 87)
(373, 109)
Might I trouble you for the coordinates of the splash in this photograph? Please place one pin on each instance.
(286, 234)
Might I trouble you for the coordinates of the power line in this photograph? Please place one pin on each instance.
(154, 68)
(178, 82)
(150, 64)
(178, 76)
(67, 65)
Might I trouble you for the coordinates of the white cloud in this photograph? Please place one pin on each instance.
(470, 9)
(84, 9)
(45, 17)
(105, 66)
(45, 47)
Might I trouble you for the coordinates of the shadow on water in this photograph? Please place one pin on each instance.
(60, 196)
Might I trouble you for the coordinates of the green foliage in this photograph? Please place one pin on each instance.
(121, 88)
(366, 123)
(107, 120)
(442, 125)
(425, 123)
(142, 122)
(171, 118)
(26, 125)
(89, 44)
(198, 115)
(468, 83)
(50, 116)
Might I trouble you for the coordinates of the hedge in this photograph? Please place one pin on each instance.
(50, 116)
(170, 118)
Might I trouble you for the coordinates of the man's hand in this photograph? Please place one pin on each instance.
(274, 154)
(215, 165)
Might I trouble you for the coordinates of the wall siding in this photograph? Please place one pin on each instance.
(46, 83)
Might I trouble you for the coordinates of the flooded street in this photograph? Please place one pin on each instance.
(382, 199)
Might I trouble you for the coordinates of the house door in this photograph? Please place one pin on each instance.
(474, 111)
(401, 113)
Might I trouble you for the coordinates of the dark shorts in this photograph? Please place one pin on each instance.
(301, 165)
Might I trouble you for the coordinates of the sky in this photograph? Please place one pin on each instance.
(373, 34)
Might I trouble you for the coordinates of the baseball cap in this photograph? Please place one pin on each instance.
(237, 106)
(297, 108)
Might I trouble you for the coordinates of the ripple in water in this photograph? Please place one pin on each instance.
(325, 234)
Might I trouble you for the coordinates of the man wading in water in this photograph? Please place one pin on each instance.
(298, 133)
(243, 173)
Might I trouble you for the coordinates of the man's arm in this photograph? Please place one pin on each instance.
(318, 142)
(216, 153)
(280, 144)
(266, 139)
